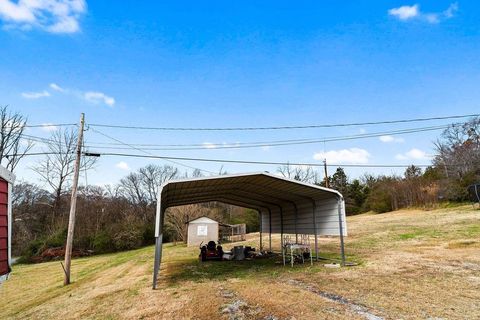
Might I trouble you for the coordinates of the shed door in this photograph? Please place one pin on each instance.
(3, 227)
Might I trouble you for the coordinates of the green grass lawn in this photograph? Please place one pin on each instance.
(411, 264)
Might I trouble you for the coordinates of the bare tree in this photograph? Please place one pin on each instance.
(58, 167)
(112, 191)
(299, 173)
(12, 150)
(153, 176)
(141, 187)
(458, 158)
(132, 188)
(458, 149)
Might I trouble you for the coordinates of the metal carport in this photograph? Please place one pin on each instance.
(285, 206)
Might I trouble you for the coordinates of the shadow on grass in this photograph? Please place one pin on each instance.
(197, 271)
(271, 267)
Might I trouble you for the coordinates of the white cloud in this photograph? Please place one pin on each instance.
(352, 155)
(98, 97)
(48, 127)
(56, 87)
(16, 12)
(35, 95)
(95, 97)
(362, 131)
(405, 13)
(209, 145)
(55, 16)
(451, 10)
(122, 165)
(388, 139)
(413, 154)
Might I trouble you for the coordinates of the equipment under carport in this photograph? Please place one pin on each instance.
(211, 251)
(214, 251)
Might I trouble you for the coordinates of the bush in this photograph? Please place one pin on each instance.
(32, 249)
(379, 201)
(148, 235)
(128, 235)
(128, 239)
(36, 247)
(57, 239)
(102, 242)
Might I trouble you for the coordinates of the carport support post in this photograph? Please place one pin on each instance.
(342, 248)
(158, 239)
(314, 208)
(296, 221)
(270, 228)
(281, 234)
(261, 227)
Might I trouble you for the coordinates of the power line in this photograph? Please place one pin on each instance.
(241, 145)
(283, 127)
(148, 153)
(35, 138)
(50, 125)
(245, 161)
(260, 162)
(34, 154)
(49, 141)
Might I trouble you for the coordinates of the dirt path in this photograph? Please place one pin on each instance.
(356, 308)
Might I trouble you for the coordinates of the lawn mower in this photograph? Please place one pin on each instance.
(210, 251)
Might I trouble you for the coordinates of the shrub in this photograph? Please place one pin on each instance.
(128, 238)
(37, 246)
(102, 242)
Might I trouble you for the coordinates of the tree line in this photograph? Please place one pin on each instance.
(110, 218)
(455, 166)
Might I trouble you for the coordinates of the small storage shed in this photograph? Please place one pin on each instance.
(202, 229)
(6, 182)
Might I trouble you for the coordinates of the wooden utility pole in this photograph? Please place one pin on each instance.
(326, 173)
(73, 203)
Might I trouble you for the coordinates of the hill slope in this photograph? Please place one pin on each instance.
(413, 264)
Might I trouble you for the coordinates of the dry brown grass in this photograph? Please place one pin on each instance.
(413, 264)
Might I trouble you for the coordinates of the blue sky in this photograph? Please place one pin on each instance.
(224, 64)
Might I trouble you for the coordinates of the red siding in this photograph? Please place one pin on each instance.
(3, 227)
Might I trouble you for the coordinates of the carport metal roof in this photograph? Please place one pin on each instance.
(284, 205)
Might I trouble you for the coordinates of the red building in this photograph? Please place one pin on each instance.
(6, 182)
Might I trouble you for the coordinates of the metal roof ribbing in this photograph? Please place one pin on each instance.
(253, 189)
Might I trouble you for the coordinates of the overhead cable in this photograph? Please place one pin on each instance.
(288, 127)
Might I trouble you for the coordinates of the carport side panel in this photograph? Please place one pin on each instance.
(326, 218)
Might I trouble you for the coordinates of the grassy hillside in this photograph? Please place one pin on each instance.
(412, 264)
